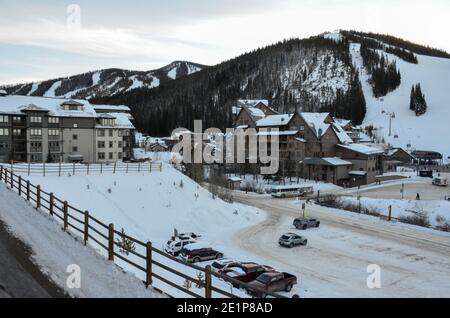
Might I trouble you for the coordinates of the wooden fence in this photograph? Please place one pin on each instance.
(106, 236)
(86, 169)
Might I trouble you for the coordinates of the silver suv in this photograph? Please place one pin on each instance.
(303, 223)
(291, 240)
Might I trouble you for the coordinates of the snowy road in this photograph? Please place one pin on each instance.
(414, 262)
(19, 276)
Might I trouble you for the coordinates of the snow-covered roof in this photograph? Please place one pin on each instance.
(111, 108)
(327, 161)
(343, 137)
(358, 173)
(252, 102)
(275, 120)
(3, 92)
(278, 133)
(236, 110)
(342, 122)
(234, 179)
(15, 104)
(256, 113)
(317, 122)
(364, 149)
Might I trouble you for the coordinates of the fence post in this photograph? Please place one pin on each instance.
(150, 163)
(101, 167)
(390, 213)
(111, 242)
(12, 180)
(74, 168)
(20, 186)
(38, 197)
(139, 167)
(114, 168)
(6, 176)
(59, 168)
(148, 280)
(43, 170)
(1, 173)
(208, 291)
(51, 203)
(127, 167)
(66, 215)
(28, 190)
(86, 227)
(29, 168)
(160, 167)
(88, 169)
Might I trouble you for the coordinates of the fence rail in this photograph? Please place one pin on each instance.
(85, 169)
(106, 237)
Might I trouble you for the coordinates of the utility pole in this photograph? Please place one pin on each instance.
(403, 191)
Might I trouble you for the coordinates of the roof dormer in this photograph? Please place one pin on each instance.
(72, 105)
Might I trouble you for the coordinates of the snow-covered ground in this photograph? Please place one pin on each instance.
(54, 250)
(432, 208)
(425, 132)
(141, 153)
(150, 207)
(262, 185)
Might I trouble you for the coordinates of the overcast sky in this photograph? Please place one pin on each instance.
(45, 39)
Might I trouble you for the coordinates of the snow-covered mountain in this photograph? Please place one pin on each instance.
(105, 82)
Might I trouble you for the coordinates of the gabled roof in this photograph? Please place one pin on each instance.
(316, 121)
(252, 102)
(332, 162)
(363, 149)
(32, 108)
(275, 120)
(342, 122)
(72, 103)
(343, 137)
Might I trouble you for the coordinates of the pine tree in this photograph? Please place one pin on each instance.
(126, 245)
(418, 103)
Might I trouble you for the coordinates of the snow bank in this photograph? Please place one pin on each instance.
(54, 250)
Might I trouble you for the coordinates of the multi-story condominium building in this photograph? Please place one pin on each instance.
(38, 129)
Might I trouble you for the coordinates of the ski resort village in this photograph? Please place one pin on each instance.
(309, 168)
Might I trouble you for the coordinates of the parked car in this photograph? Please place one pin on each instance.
(174, 247)
(440, 182)
(196, 252)
(222, 264)
(246, 272)
(272, 282)
(304, 223)
(292, 239)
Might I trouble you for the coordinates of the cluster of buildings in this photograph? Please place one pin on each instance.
(39, 129)
(319, 147)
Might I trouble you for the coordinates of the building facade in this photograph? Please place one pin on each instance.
(38, 129)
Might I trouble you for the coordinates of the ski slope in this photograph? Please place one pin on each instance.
(427, 132)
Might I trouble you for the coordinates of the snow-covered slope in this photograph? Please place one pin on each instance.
(105, 82)
(427, 132)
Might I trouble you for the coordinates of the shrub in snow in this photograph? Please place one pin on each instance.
(109, 190)
(416, 219)
(201, 280)
(88, 187)
(181, 184)
(125, 245)
(187, 284)
(235, 212)
(442, 224)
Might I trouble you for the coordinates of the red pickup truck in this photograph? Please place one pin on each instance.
(272, 282)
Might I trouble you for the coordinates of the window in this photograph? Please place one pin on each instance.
(101, 133)
(111, 133)
(75, 137)
(101, 144)
(127, 133)
(119, 155)
(36, 119)
(74, 149)
(17, 132)
(120, 144)
(111, 145)
(3, 119)
(36, 144)
(75, 125)
(101, 155)
(53, 144)
(111, 155)
(53, 120)
(17, 119)
(119, 133)
(4, 145)
(36, 132)
(74, 107)
(302, 128)
(53, 132)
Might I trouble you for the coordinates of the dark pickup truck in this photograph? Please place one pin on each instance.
(272, 282)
